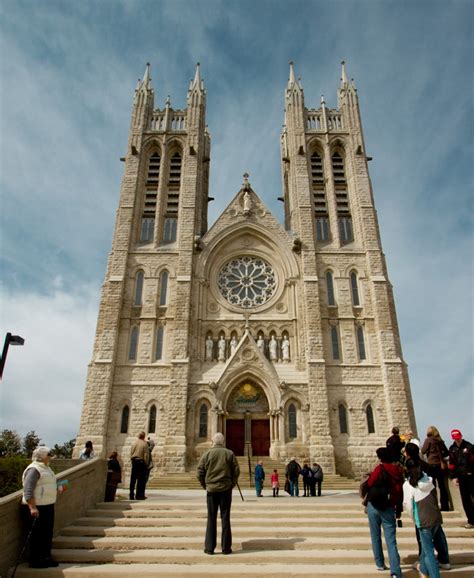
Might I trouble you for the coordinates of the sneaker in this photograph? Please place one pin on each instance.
(469, 526)
(444, 566)
(382, 568)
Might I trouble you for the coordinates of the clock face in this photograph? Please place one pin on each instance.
(247, 282)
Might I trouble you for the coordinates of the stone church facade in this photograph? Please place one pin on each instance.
(284, 338)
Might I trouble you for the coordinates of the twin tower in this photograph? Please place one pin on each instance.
(284, 338)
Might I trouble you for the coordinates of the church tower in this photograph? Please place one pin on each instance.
(284, 338)
(355, 362)
(141, 345)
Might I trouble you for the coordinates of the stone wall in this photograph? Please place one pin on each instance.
(86, 487)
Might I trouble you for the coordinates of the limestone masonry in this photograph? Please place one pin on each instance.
(284, 338)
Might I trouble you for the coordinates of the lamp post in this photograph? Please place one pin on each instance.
(9, 340)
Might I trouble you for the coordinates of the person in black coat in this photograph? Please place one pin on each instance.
(114, 477)
(395, 444)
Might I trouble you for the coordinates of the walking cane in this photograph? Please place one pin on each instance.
(240, 492)
(24, 547)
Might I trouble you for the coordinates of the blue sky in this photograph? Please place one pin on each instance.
(68, 72)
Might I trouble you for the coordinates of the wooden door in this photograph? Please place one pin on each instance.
(260, 437)
(235, 435)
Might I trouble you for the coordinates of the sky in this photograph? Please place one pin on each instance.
(68, 71)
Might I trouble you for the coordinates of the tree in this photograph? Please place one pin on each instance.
(65, 450)
(30, 443)
(10, 443)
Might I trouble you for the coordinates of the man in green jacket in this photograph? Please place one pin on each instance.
(218, 472)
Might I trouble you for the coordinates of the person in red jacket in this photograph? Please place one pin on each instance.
(385, 499)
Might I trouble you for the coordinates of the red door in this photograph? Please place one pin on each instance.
(260, 437)
(235, 435)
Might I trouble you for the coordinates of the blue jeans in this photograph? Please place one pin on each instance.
(294, 488)
(428, 562)
(258, 486)
(385, 518)
(440, 544)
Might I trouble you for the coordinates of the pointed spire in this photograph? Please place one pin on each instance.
(145, 84)
(168, 101)
(197, 76)
(292, 78)
(323, 102)
(344, 79)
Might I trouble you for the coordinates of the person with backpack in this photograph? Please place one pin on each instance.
(317, 479)
(384, 506)
(420, 500)
(293, 470)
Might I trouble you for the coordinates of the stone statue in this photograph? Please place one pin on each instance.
(285, 348)
(247, 202)
(209, 348)
(272, 346)
(261, 343)
(233, 344)
(221, 348)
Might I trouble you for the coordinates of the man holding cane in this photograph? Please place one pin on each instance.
(218, 472)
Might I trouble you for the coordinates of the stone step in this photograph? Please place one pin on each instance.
(164, 535)
(267, 555)
(249, 540)
(145, 528)
(229, 570)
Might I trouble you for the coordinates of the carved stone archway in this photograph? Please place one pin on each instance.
(247, 420)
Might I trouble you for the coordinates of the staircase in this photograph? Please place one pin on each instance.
(279, 537)
(188, 480)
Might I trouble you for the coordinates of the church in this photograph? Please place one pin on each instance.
(282, 336)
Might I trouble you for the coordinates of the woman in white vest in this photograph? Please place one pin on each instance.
(39, 494)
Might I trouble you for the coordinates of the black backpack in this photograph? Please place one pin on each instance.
(379, 494)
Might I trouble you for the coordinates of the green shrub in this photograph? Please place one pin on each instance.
(11, 470)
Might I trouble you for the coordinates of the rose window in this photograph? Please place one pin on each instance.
(247, 282)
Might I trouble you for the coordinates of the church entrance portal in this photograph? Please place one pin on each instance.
(248, 426)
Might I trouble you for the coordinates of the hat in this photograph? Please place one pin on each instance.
(456, 434)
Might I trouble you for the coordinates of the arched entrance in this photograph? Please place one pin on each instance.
(247, 423)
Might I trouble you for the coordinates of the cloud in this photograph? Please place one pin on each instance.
(43, 381)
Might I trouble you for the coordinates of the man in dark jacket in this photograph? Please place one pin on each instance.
(461, 469)
(259, 478)
(395, 444)
(293, 470)
(218, 472)
(385, 500)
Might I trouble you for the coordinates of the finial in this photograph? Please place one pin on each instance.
(344, 78)
(323, 102)
(292, 74)
(246, 179)
(168, 101)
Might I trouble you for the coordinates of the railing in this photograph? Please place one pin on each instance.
(172, 121)
(318, 120)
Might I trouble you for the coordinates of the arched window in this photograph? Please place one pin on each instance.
(124, 419)
(369, 414)
(330, 289)
(149, 205)
(342, 418)
(319, 198)
(132, 350)
(292, 430)
(170, 225)
(152, 419)
(355, 289)
(137, 299)
(342, 198)
(335, 342)
(203, 417)
(163, 287)
(361, 343)
(160, 334)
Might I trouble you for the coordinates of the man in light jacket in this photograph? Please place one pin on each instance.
(140, 456)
